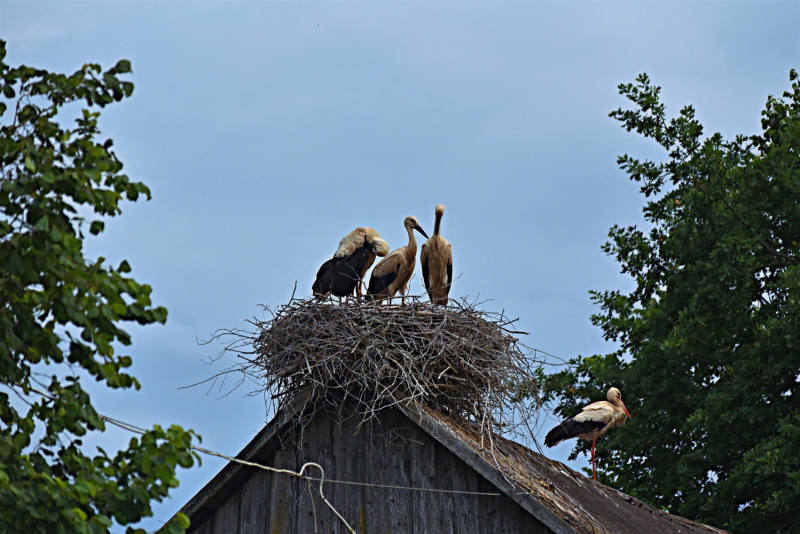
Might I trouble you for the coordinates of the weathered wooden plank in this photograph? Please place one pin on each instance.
(312, 514)
(342, 451)
(481, 466)
(205, 496)
(282, 511)
(387, 463)
(425, 506)
(351, 458)
(501, 514)
(400, 453)
(448, 477)
(226, 518)
(205, 528)
(494, 513)
(327, 447)
(528, 523)
(333, 446)
(340, 445)
(254, 503)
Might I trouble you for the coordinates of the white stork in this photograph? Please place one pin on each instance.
(591, 422)
(436, 259)
(344, 272)
(394, 271)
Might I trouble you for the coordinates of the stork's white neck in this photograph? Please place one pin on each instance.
(412, 241)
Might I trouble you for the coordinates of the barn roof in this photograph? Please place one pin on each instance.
(546, 487)
(561, 498)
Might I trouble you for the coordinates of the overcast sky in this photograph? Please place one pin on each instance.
(268, 130)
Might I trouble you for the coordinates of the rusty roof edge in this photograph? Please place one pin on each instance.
(442, 434)
(264, 436)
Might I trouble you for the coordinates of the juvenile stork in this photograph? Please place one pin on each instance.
(591, 422)
(394, 271)
(344, 272)
(436, 259)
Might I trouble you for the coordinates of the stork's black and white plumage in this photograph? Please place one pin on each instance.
(394, 271)
(591, 422)
(436, 259)
(342, 274)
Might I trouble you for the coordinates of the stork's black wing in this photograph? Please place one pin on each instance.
(425, 270)
(322, 284)
(570, 429)
(449, 278)
(347, 270)
(378, 282)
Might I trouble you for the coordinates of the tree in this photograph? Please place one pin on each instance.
(57, 307)
(709, 363)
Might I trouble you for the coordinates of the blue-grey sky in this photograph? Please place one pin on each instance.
(268, 130)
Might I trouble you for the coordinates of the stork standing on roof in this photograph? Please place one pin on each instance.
(394, 271)
(591, 422)
(344, 272)
(436, 259)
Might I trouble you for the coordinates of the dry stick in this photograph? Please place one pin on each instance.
(337, 344)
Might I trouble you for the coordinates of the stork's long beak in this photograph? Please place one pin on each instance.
(626, 410)
(419, 229)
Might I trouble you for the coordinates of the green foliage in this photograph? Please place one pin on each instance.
(59, 308)
(709, 364)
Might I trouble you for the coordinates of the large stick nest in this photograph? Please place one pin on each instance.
(462, 361)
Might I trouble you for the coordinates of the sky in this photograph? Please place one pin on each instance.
(269, 130)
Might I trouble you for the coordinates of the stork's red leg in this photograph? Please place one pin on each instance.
(594, 473)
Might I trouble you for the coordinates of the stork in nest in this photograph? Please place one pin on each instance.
(343, 274)
(394, 271)
(436, 259)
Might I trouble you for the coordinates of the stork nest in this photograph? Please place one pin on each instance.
(464, 362)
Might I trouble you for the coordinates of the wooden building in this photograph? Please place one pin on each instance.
(410, 447)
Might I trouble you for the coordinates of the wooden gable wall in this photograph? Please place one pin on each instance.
(390, 450)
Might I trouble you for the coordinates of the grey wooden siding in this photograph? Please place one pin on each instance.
(391, 450)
